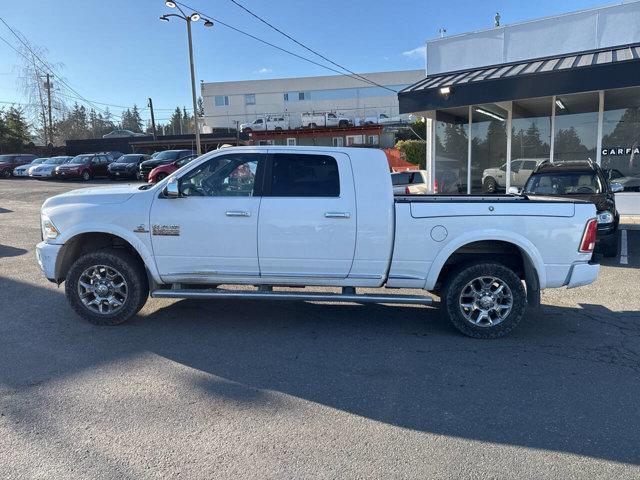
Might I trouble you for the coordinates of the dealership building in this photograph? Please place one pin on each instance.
(226, 103)
(497, 102)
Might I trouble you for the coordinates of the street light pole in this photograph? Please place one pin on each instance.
(193, 89)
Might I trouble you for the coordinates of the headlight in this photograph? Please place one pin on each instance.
(605, 217)
(49, 230)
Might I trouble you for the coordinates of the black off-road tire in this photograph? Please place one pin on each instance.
(457, 281)
(610, 250)
(127, 265)
(6, 173)
(490, 185)
(86, 175)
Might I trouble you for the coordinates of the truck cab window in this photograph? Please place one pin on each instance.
(226, 176)
(301, 175)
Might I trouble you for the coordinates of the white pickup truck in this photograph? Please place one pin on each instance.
(324, 119)
(274, 219)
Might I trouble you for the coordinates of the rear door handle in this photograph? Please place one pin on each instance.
(337, 215)
(237, 213)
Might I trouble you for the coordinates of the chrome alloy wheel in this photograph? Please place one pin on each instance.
(102, 289)
(486, 301)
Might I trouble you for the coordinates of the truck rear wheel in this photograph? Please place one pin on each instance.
(484, 300)
(107, 287)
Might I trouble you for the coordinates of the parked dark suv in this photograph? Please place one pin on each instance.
(13, 160)
(127, 166)
(163, 158)
(85, 166)
(583, 180)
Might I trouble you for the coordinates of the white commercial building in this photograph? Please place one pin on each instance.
(226, 103)
(500, 101)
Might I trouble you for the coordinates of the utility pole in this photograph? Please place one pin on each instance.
(193, 89)
(153, 119)
(237, 132)
(48, 85)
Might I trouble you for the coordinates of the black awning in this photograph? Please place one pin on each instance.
(613, 67)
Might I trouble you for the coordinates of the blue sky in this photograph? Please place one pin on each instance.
(117, 51)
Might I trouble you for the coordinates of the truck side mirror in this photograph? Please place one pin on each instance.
(172, 189)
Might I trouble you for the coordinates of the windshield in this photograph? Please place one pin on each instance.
(80, 159)
(54, 161)
(169, 155)
(38, 161)
(128, 159)
(563, 183)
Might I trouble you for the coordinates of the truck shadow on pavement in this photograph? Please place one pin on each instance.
(567, 381)
(9, 251)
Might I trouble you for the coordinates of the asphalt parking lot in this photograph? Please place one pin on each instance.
(228, 389)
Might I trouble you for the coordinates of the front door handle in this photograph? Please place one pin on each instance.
(337, 215)
(237, 213)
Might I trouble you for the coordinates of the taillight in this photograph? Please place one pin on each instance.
(588, 242)
(407, 191)
(435, 186)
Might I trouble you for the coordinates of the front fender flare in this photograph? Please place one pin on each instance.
(130, 237)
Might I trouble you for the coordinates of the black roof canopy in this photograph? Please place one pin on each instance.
(613, 67)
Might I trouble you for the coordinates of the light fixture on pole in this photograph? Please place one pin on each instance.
(194, 17)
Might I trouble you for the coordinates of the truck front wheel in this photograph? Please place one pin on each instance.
(106, 287)
(484, 300)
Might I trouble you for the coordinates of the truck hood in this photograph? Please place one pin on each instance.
(94, 196)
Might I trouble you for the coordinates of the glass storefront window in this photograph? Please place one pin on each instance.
(452, 140)
(530, 137)
(488, 149)
(576, 127)
(620, 155)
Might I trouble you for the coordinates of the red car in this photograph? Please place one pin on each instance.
(161, 172)
(11, 161)
(86, 167)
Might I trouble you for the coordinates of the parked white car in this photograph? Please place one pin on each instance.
(411, 182)
(381, 118)
(47, 168)
(262, 124)
(324, 119)
(494, 179)
(310, 216)
(22, 170)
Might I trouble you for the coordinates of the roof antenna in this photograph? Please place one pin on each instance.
(496, 20)
(442, 31)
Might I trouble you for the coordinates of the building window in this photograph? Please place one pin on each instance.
(265, 142)
(372, 139)
(221, 101)
(488, 149)
(620, 154)
(338, 142)
(285, 97)
(354, 140)
(576, 127)
(303, 95)
(291, 142)
(452, 140)
(250, 99)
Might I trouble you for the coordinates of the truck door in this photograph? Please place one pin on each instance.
(210, 231)
(307, 222)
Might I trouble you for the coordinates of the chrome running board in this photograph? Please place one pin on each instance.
(286, 295)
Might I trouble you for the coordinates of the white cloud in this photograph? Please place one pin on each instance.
(418, 53)
(263, 70)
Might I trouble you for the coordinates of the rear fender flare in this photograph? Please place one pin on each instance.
(526, 247)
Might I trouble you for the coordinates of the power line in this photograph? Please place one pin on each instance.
(46, 66)
(259, 18)
(213, 19)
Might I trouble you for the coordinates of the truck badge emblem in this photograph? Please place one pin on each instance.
(166, 230)
(141, 229)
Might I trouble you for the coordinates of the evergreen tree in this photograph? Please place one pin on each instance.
(200, 107)
(175, 122)
(16, 129)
